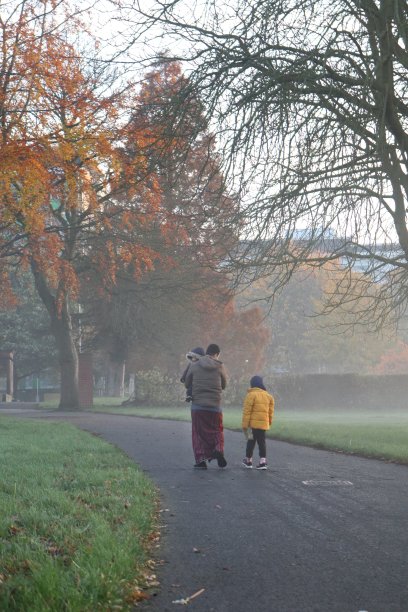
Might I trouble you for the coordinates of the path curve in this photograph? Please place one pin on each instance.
(296, 538)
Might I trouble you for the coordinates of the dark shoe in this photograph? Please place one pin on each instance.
(222, 462)
(262, 466)
(200, 466)
(247, 463)
(189, 398)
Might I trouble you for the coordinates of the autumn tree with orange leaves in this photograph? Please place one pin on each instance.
(73, 201)
(186, 299)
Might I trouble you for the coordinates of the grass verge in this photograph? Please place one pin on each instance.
(380, 435)
(77, 519)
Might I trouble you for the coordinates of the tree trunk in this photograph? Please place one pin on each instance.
(110, 380)
(116, 379)
(131, 388)
(61, 327)
(68, 361)
(122, 371)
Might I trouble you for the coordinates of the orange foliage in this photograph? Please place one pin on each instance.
(88, 171)
(65, 180)
(394, 361)
(199, 212)
(7, 297)
(244, 338)
(241, 334)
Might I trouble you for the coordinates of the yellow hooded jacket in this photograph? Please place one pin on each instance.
(258, 409)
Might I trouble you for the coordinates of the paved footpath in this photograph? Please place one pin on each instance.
(296, 538)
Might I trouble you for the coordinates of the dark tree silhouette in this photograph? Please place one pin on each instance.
(310, 101)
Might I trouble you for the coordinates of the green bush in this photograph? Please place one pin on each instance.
(153, 388)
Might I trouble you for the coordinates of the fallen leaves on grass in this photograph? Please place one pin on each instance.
(137, 595)
(154, 536)
(52, 548)
(139, 591)
(151, 580)
(15, 530)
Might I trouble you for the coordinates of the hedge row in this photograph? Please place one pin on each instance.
(351, 391)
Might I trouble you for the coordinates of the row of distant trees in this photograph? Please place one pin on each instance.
(305, 339)
(148, 327)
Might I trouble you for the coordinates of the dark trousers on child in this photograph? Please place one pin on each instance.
(258, 437)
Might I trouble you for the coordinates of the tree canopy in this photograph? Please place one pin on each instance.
(186, 299)
(95, 188)
(302, 340)
(75, 197)
(310, 102)
(25, 330)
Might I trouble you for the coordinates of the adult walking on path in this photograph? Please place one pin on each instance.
(207, 379)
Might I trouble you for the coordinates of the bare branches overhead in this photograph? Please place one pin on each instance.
(309, 101)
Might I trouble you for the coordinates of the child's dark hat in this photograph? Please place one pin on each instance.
(195, 353)
(198, 351)
(256, 381)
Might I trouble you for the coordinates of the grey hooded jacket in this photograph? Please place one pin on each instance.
(208, 378)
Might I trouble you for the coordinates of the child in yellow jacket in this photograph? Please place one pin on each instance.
(257, 417)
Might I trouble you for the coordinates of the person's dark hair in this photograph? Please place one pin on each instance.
(212, 349)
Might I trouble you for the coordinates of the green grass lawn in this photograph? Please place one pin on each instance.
(76, 519)
(371, 434)
(99, 402)
(383, 435)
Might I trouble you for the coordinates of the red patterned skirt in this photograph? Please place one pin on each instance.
(207, 433)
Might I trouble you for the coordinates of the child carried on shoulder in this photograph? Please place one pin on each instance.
(192, 356)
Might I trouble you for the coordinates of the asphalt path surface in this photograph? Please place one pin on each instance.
(319, 531)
